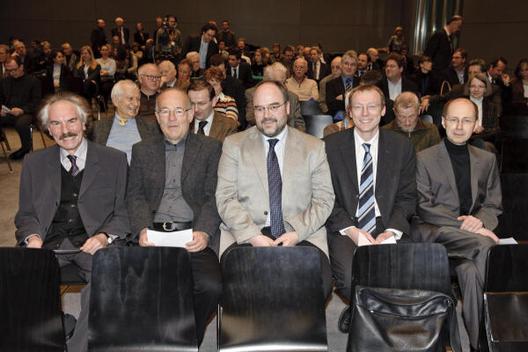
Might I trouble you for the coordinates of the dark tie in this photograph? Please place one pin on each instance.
(201, 126)
(275, 191)
(74, 170)
(366, 212)
(348, 84)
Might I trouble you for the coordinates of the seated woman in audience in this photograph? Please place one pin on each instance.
(478, 89)
(89, 71)
(107, 73)
(58, 75)
(224, 104)
(520, 89)
(257, 66)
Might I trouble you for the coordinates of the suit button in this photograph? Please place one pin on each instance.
(75, 195)
(73, 205)
(265, 212)
(70, 220)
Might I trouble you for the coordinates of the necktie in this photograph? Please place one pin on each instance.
(74, 169)
(122, 36)
(201, 126)
(235, 72)
(366, 212)
(275, 191)
(348, 84)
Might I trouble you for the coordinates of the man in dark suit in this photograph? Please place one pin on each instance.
(456, 73)
(124, 130)
(98, 37)
(82, 206)
(337, 88)
(394, 83)
(172, 186)
(227, 35)
(459, 201)
(206, 120)
(204, 44)
(239, 70)
(440, 46)
(373, 173)
(317, 69)
(121, 31)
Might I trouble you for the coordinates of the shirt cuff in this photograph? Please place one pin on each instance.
(397, 233)
(343, 232)
(26, 240)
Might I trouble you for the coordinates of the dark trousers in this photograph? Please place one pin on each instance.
(21, 124)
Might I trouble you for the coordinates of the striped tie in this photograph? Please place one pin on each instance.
(275, 191)
(348, 84)
(366, 212)
(74, 170)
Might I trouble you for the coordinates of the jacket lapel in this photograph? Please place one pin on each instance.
(255, 152)
(91, 168)
(447, 168)
(474, 165)
(349, 156)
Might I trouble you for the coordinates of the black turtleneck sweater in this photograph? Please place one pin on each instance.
(459, 155)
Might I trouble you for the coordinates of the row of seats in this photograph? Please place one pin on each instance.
(141, 298)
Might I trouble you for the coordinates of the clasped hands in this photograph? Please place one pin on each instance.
(473, 224)
(288, 239)
(353, 232)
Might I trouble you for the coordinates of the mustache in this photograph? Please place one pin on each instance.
(269, 119)
(68, 135)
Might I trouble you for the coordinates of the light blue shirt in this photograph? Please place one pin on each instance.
(203, 52)
(123, 137)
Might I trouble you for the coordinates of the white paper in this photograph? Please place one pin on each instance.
(362, 241)
(5, 109)
(170, 239)
(509, 240)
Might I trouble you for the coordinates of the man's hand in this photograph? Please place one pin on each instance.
(143, 239)
(470, 223)
(95, 243)
(354, 232)
(339, 97)
(199, 242)
(485, 232)
(261, 241)
(17, 111)
(288, 239)
(383, 236)
(424, 105)
(34, 241)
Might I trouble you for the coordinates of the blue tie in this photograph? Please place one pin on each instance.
(366, 212)
(348, 84)
(275, 191)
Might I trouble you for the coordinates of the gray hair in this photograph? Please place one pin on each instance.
(81, 106)
(272, 71)
(119, 87)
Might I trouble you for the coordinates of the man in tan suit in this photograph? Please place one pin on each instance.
(207, 121)
(274, 186)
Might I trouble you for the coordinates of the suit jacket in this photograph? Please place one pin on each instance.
(126, 32)
(234, 88)
(395, 188)
(193, 44)
(101, 198)
(408, 85)
(65, 80)
(242, 193)
(439, 49)
(438, 202)
(324, 70)
(295, 118)
(102, 128)
(221, 127)
(244, 74)
(334, 88)
(198, 181)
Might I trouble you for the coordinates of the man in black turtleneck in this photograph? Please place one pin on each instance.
(458, 204)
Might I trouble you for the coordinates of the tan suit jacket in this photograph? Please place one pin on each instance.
(222, 127)
(242, 192)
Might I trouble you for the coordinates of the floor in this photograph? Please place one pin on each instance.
(9, 186)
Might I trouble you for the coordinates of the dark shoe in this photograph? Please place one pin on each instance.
(69, 322)
(19, 154)
(343, 324)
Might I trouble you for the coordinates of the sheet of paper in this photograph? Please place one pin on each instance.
(362, 241)
(509, 240)
(170, 239)
(6, 109)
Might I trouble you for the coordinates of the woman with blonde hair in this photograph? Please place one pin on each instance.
(89, 71)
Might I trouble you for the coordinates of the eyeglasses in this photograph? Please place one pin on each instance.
(151, 77)
(454, 120)
(371, 108)
(178, 112)
(271, 108)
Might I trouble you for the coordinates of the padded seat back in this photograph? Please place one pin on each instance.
(142, 300)
(272, 300)
(315, 124)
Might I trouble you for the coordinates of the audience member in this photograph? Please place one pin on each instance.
(149, 78)
(335, 67)
(194, 59)
(239, 70)
(337, 88)
(70, 57)
(168, 74)
(98, 37)
(203, 44)
(519, 101)
(440, 46)
(58, 75)
(140, 36)
(184, 75)
(305, 88)
(396, 41)
(362, 64)
(88, 70)
(4, 53)
(223, 104)
(317, 69)
(457, 73)
(122, 32)
(107, 72)
(459, 201)
(226, 35)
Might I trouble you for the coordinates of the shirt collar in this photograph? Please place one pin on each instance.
(80, 153)
(281, 136)
(360, 140)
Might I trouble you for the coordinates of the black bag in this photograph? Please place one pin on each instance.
(387, 319)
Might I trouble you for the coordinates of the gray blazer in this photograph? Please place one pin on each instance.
(242, 193)
(101, 129)
(101, 198)
(438, 202)
(198, 180)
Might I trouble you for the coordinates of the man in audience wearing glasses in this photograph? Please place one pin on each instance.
(171, 186)
(459, 199)
(149, 78)
(82, 205)
(274, 186)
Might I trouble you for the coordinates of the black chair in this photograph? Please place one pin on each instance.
(506, 298)
(4, 144)
(310, 108)
(141, 299)
(406, 266)
(315, 124)
(30, 307)
(272, 300)
(513, 220)
(513, 141)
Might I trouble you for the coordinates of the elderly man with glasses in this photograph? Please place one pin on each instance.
(149, 78)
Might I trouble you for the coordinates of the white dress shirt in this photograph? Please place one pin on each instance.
(395, 89)
(478, 102)
(80, 153)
